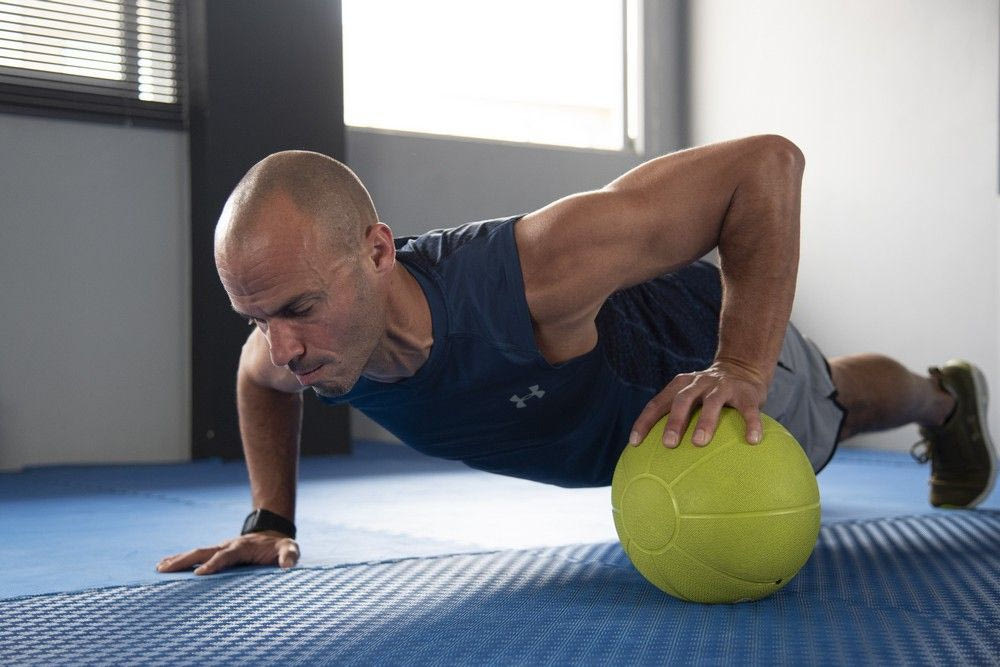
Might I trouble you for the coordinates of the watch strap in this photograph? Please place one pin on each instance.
(261, 519)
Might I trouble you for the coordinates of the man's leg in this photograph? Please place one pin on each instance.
(880, 393)
(950, 407)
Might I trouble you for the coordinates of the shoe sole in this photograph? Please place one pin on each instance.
(982, 395)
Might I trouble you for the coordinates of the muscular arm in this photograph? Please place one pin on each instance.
(740, 196)
(269, 401)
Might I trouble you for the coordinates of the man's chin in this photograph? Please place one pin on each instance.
(328, 390)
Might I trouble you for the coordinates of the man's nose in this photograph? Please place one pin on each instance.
(284, 342)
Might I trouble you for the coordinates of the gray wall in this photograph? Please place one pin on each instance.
(94, 293)
(422, 182)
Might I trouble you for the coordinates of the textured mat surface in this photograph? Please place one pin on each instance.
(77, 527)
(909, 590)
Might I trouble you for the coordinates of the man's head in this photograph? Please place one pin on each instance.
(301, 253)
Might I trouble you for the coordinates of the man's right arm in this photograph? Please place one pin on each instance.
(269, 402)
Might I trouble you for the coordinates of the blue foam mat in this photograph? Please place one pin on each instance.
(907, 590)
(113, 523)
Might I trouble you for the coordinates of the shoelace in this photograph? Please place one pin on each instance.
(921, 451)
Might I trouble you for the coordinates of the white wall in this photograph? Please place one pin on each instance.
(895, 105)
(94, 293)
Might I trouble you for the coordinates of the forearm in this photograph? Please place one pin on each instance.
(759, 253)
(270, 426)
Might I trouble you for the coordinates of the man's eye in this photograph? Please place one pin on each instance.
(300, 313)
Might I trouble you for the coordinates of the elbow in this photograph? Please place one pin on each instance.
(780, 152)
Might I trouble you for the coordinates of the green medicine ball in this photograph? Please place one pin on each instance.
(727, 522)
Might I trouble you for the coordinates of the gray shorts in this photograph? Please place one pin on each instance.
(802, 398)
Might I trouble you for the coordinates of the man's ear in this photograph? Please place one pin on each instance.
(379, 239)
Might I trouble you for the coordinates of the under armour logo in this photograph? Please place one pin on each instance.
(520, 400)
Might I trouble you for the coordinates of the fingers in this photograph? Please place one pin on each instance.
(658, 406)
(709, 391)
(266, 548)
(704, 430)
(288, 554)
(222, 559)
(186, 560)
(678, 399)
(755, 429)
(680, 415)
(708, 422)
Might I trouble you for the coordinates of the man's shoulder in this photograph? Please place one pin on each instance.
(436, 246)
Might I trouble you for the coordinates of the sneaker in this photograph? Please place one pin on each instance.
(962, 455)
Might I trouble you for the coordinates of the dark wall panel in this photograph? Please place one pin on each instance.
(264, 76)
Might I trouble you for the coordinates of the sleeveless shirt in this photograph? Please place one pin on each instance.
(486, 395)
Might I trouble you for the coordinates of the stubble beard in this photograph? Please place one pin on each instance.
(335, 389)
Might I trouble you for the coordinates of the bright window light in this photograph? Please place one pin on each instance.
(88, 41)
(535, 71)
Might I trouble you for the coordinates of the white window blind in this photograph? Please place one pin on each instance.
(111, 58)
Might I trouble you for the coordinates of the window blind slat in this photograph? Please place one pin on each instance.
(63, 81)
(94, 9)
(45, 45)
(56, 16)
(22, 23)
(118, 58)
(101, 69)
(116, 28)
(57, 84)
(111, 106)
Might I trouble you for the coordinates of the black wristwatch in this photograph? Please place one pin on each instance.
(260, 520)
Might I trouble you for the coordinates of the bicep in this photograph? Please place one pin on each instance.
(660, 216)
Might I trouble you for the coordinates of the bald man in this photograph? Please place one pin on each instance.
(538, 346)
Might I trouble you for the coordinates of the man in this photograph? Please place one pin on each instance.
(539, 346)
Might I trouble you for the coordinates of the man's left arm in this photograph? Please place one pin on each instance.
(742, 197)
(758, 253)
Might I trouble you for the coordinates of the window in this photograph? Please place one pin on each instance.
(561, 72)
(105, 58)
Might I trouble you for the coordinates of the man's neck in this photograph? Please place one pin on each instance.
(408, 337)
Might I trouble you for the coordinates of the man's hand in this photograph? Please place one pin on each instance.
(265, 548)
(723, 383)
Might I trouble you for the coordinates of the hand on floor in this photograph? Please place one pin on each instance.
(265, 548)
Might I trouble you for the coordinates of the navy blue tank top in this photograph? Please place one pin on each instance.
(487, 397)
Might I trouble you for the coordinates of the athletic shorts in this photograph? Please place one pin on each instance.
(803, 398)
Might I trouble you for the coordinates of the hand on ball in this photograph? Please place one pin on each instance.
(721, 384)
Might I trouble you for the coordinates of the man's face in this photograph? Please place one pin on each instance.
(320, 312)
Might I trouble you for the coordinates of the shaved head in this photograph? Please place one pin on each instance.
(329, 195)
(303, 257)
